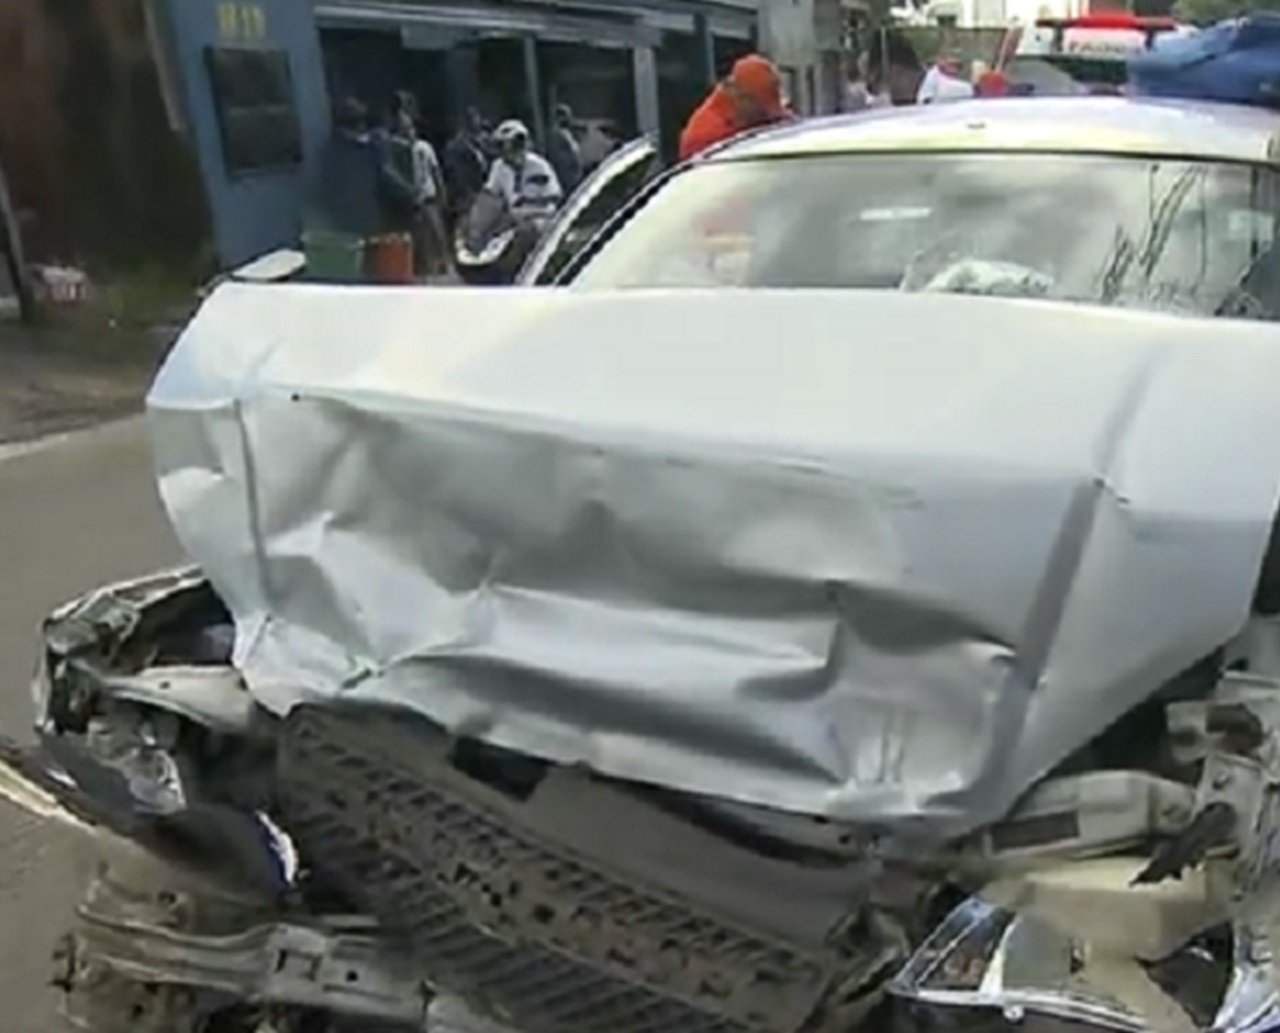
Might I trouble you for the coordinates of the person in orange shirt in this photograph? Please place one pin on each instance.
(749, 98)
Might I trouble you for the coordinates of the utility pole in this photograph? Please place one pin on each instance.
(12, 253)
(533, 83)
(828, 31)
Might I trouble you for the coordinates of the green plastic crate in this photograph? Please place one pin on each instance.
(334, 256)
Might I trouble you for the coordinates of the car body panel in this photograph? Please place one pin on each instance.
(708, 539)
(565, 237)
(582, 620)
(1066, 125)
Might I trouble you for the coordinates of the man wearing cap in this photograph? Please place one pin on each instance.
(749, 98)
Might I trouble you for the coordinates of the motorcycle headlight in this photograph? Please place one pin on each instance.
(494, 249)
(1080, 944)
(491, 252)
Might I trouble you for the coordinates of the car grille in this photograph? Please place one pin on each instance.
(531, 934)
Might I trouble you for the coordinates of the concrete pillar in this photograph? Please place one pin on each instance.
(706, 49)
(828, 31)
(533, 83)
(462, 70)
(644, 66)
(830, 84)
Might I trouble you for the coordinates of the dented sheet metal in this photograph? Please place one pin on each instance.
(861, 555)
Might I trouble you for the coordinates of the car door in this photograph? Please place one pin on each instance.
(614, 182)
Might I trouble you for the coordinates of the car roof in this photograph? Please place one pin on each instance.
(1054, 125)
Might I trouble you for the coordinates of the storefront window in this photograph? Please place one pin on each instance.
(257, 116)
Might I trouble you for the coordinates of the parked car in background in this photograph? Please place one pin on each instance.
(848, 601)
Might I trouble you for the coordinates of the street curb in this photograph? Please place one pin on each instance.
(34, 446)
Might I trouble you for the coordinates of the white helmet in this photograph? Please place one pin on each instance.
(512, 131)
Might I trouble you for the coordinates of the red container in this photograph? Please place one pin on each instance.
(389, 258)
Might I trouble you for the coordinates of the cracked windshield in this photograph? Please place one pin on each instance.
(639, 516)
(1165, 235)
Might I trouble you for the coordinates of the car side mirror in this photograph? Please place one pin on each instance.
(274, 267)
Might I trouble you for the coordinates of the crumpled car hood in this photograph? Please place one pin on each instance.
(867, 556)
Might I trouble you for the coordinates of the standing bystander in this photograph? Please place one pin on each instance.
(466, 166)
(894, 69)
(750, 97)
(563, 151)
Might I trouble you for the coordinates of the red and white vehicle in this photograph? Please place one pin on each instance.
(1078, 55)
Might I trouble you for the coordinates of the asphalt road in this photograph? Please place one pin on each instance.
(73, 514)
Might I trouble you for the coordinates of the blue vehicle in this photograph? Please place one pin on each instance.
(1236, 61)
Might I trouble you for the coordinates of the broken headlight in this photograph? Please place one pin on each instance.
(1081, 944)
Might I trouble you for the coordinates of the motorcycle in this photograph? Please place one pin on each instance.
(493, 241)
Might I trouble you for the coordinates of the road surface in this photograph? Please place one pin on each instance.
(72, 515)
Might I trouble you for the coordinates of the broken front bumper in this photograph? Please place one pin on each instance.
(152, 933)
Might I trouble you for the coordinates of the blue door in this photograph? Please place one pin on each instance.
(253, 86)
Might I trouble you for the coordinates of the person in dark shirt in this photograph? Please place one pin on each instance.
(466, 166)
(563, 151)
(347, 198)
(394, 141)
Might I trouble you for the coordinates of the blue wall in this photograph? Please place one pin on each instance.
(258, 212)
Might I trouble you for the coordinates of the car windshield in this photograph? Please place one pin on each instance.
(1156, 234)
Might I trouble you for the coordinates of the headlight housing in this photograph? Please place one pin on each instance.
(1081, 944)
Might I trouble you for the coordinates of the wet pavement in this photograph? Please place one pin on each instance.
(73, 514)
(75, 511)
(78, 508)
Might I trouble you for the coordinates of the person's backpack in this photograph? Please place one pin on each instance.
(1236, 61)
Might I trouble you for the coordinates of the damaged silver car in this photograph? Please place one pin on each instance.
(848, 600)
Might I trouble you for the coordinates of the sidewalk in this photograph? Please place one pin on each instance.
(60, 378)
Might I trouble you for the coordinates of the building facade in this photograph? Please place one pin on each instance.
(252, 81)
(808, 40)
(244, 82)
(632, 66)
(96, 173)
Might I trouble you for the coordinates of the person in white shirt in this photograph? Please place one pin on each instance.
(523, 178)
(426, 171)
(430, 238)
(937, 85)
(895, 70)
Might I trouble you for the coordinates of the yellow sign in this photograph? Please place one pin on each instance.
(240, 22)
